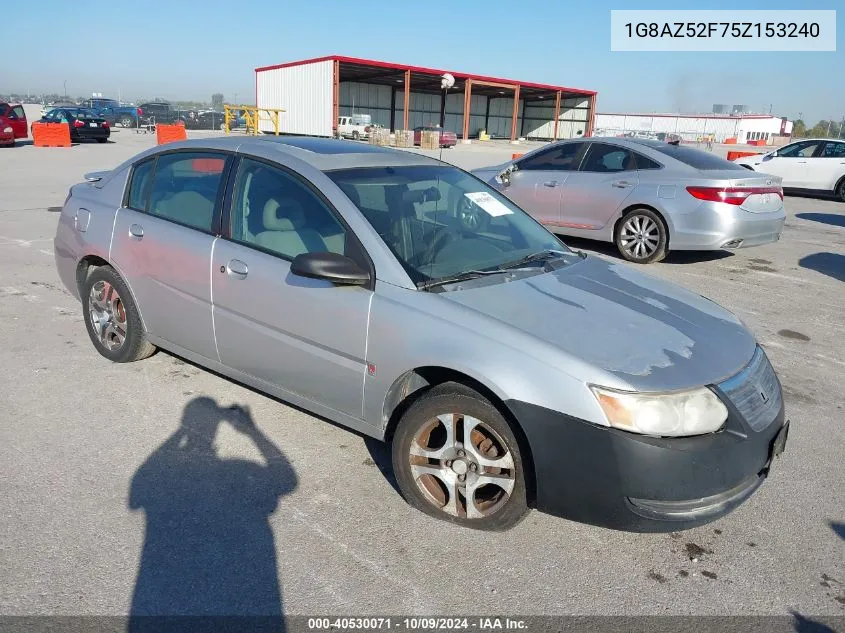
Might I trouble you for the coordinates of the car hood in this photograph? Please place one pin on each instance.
(651, 334)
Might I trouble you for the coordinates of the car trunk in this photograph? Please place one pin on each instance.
(750, 191)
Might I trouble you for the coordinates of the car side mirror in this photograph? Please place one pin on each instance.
(504, 176)
(770, 156)
(332, 267)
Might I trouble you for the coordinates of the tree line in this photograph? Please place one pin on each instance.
(822, 129)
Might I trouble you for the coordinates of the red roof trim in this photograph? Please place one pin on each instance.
(693, 116)
(427, 71)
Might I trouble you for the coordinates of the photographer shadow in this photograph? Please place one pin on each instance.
(209, 549)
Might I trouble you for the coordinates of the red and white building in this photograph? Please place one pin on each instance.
(315, 92)
(691, 127)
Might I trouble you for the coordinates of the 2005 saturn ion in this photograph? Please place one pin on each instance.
(506, 370)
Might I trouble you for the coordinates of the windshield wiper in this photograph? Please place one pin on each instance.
(539, 256)
(469, 274)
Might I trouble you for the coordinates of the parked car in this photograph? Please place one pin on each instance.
(815, 165)
(645, 196)
(447, 139)
(58, 104)
(204, 120)
(12, 123)
(84, 124)
(113, 112)
(159, 112)
(355, 127)
(504, 369)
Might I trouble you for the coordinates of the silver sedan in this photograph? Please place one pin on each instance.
(645, 196)
(505, 370)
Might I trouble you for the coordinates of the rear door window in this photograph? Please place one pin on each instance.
(833, 150)
(186, 187)
(604, 158)
(644, 162)
(18, 110)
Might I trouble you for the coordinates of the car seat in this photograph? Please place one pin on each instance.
(285, 231)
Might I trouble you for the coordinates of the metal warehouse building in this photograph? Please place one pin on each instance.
(742, 127)
(315, 92)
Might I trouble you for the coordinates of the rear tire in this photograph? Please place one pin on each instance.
(112, 319)
(470, 476)
(641, 237)
(839, 192)
(355, 135)
(102, 140)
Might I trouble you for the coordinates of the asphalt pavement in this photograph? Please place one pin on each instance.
(92, 480)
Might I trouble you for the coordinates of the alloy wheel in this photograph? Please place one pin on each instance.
(462, 466)
(108, 315)
(640, 236)
(468, 216)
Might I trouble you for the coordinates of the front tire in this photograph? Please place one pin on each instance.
(127, 121)
(642, 237)
(456, 458)
(112, 319)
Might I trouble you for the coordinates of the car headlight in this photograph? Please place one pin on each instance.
(668, 414)
(8, 130)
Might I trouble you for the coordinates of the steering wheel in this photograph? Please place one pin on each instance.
(437, 244)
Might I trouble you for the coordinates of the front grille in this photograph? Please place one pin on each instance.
(755, 392)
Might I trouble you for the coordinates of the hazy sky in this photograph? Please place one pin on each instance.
(189, 50)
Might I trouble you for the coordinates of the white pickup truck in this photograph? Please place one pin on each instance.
(355, 127)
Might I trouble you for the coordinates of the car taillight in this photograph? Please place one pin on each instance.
(140, 112)
(367, 129)
(732, 195)
(104, 124)
(78, 123)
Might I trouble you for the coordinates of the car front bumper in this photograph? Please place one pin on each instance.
(717, 225)
(625, 481)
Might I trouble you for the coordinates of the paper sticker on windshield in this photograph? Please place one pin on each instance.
(488, 203)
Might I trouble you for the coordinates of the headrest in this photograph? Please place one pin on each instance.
(283, 215)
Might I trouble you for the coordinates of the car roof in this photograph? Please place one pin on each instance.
(324, 154)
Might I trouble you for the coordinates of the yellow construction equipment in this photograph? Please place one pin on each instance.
(251, 116)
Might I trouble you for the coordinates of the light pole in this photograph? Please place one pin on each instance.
(64, 83)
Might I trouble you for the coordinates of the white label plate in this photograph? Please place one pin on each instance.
(488, 203)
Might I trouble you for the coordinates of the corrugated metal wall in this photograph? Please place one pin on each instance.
(304, 91)
(539, 118)
(357, 98)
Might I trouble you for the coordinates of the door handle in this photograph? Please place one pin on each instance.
(623, 184)
(136, 231)
(802, 162)
(237, 269)
(551, 183)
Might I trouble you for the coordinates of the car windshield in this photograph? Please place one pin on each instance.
(441, 222)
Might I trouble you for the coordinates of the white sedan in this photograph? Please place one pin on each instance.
(814, 165)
